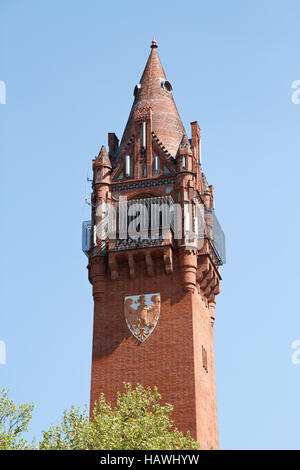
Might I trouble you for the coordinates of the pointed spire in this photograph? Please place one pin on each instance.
(103, 157)
(155, 91)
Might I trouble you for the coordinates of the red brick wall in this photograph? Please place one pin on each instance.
(206, 405)
(170, 358)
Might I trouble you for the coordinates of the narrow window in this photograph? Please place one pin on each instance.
(143, 170)
(98, 174)
(128, 166)
(96, 213)
(131, 167)
(183, 162)
(95, 235)
(143, 134)
(156, 165)
(186, 217)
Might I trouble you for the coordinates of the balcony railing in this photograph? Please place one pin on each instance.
(151, 222)
(215, 234)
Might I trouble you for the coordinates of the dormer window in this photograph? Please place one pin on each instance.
(136, 89)
(166, 85)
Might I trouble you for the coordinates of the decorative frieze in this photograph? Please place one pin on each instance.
(142, 184)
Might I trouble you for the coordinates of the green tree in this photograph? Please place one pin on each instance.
(138, 421)
(13, 422)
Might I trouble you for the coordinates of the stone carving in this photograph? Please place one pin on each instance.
(141, 314)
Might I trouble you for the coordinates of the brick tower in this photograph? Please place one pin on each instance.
(155, 248)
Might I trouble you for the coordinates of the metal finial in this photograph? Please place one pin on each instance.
(154, 44)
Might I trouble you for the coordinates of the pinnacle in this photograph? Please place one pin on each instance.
(184, 146)
(184, 142)
(103, 156)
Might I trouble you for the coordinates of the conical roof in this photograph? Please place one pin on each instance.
(155, 91)
(103, 157)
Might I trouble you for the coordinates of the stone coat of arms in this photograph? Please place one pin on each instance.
(141, 314)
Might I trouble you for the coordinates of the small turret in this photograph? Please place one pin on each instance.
(102, 167)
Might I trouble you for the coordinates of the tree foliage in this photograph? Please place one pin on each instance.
(138, 421)
(13, 422)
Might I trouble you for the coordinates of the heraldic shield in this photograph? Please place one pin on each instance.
(141, 314)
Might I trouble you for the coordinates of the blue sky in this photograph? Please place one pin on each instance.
(70, 69)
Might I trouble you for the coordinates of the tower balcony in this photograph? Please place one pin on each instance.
(152, 223)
